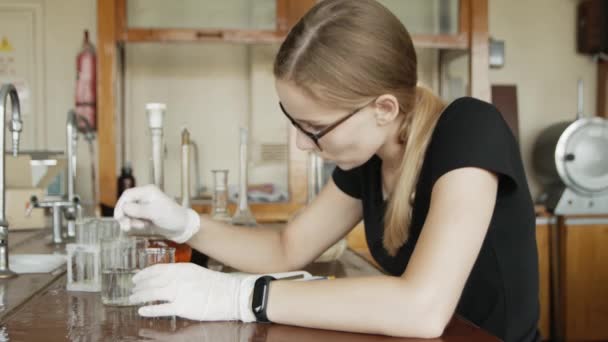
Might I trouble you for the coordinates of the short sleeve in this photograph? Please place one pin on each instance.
(348, 181)
(473, 133)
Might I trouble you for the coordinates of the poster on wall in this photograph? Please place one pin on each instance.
(8, 72)
(18, 64)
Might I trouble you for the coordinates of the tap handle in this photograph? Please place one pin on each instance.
(33, 203)
(28, 209)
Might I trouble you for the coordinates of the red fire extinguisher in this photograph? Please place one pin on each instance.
(86, 84)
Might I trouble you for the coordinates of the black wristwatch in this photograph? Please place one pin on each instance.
(259, 301)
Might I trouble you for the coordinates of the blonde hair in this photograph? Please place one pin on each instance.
(344, 53)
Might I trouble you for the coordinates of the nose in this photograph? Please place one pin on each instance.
(303, 142)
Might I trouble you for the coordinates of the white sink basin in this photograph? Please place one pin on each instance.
(35, 263)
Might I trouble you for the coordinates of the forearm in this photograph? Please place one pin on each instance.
(377, 305)
(254, 250)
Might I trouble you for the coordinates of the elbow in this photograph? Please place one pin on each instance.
(433, 328)
(428, 327)
(427, 316)
(434, 323)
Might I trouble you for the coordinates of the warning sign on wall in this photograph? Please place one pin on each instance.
(5, 45)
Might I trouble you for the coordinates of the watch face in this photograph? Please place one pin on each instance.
(260, 297)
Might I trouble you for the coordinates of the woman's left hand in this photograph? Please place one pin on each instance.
(193, 292)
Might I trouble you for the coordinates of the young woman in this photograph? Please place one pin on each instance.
(441, 189)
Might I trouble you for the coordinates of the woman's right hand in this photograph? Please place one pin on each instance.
(141, 206)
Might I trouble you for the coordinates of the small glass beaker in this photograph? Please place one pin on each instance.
(86, 231)
(107, 228)
(156, 255)
(183, 252)
(91, 230)
(83, 257)
(83, 267)
(219, 209)
(119, 263)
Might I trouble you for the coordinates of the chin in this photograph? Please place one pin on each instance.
(344, 165)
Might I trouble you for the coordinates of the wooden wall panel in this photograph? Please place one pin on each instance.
(602, 89)
(290, 11)
(504, 97)
(106, 100)
(542, 242)
(479, 64)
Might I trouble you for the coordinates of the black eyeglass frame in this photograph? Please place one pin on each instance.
(316, 136)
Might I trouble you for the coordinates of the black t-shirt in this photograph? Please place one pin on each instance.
(501, 293)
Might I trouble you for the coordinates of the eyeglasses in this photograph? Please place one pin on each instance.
(316, 136)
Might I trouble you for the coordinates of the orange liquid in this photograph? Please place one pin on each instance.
(183, 252)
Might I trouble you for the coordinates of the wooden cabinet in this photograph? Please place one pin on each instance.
(583, 278)
(117, 28)
(573, 261)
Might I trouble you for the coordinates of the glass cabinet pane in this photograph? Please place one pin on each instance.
(426, 16)
(212, 90)
(197, 14)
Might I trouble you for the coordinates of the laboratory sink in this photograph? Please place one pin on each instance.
(36, 263)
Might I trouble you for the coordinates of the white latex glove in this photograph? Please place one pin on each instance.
(196, 293)
(138, 207)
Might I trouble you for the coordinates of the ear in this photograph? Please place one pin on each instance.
(387, 109)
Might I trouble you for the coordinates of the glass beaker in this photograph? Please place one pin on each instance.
(83, 257)
(243, 215)
(219, 208)
(156, 255)
(119, 263)
(91, 230)
(183, 252)
(83, 267)
(107, 228)
(86, 231)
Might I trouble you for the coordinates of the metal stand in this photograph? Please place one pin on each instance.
(5, 271)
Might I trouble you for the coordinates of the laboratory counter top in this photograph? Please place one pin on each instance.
(37, 307)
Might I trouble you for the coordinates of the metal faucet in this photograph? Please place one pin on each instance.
(58, 208)
(71, 206)
(16, 125)
(72, 150)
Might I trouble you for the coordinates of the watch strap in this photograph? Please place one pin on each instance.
(259, 302)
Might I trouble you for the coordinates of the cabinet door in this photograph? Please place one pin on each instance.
(279, 15)
(584, 278)
(426, 17)
(196, 14)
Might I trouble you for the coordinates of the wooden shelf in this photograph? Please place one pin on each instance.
(142, 35)
(263, 212)
(145, 35)
(446, 41)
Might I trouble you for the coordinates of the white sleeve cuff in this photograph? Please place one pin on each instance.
(193, 224)
(245, 297)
